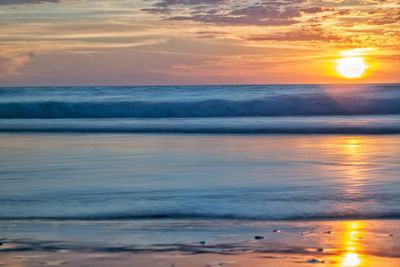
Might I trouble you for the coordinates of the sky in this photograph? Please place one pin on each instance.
(164, 42)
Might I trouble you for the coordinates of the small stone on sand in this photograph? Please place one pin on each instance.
(219, 263)
(258, 237)
(202, 243)
(314, 261)
(320, 250)
(328, 232)
(276, 231)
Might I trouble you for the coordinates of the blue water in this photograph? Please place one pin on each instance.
(103, 177)
(357, 109)
(192, 153)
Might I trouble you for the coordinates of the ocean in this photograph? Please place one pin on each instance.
(250, 109)
(181, 163)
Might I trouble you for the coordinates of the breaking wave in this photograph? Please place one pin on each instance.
(214, 216)
(387, 124)
(270, 106)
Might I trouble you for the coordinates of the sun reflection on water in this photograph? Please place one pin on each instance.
(351, 256)
(354, 175)
(357, 163)
(351, 260)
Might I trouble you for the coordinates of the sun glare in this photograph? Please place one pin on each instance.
(351, 260)
(351, 257)
(351, 67)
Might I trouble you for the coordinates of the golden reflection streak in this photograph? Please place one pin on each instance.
(351, 256)
(354, 151)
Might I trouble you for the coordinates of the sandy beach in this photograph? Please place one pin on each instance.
(321, 243)
(178, 259)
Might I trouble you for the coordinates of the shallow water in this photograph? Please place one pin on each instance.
(111, 176)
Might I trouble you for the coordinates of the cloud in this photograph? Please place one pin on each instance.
(381, 16)
(137, 40)
(23, 2)
(303, 34)
(224, 12)
(342, 13)
(11, 63)
(29, 2)
(27, 36)
(166, 3)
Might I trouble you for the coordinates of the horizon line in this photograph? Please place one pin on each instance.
(195, 85)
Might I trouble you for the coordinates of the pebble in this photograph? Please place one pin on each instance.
(320, 250)
(315, 261)
(220, 263)
(276, 231)
(328, 232)
(258, 237)
(202, 243)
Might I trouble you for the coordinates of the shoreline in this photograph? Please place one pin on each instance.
(334, 243)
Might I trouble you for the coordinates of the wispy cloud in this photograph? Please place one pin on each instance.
(25, 2)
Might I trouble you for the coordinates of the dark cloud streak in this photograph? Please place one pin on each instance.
(264, 13)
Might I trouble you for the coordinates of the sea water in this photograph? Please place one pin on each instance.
(101, 162)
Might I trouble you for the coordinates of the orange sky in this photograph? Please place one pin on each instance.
(121, 42)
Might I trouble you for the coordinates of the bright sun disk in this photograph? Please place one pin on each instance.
(351, 67)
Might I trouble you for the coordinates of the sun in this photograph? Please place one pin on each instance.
(351, 67)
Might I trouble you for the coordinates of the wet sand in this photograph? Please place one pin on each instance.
(335, 243)
(178, 259)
